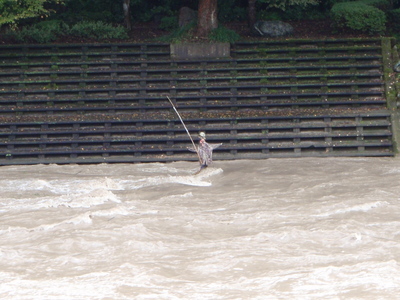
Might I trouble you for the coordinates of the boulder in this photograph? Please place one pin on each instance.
(272, 28)
(397, 67)
(186, 15)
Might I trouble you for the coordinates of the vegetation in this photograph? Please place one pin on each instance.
(49, 31)
(44, 21)
(11, 11)
(394, 19)
(220, 34)
(224, 35)
(357, 15)
(43, 32)
(383, 5)
(180, 34)
(98, 30)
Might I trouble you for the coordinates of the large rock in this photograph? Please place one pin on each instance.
(186, 15)
(272, 28)
(397, 67)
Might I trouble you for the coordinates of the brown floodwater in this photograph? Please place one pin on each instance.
(303, 228)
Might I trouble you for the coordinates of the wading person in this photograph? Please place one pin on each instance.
(205, 151)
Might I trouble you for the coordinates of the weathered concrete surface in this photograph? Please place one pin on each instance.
(389, 55)
(204, 50)
(392, 87)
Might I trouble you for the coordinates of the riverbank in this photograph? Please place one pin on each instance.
(150, 32)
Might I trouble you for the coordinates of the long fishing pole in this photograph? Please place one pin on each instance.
(194, 145)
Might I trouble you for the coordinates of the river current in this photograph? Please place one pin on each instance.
(304, 228)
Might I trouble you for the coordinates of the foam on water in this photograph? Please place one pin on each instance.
(191, 179)
(60, 193)
(87, 193)
(364, 207)
(85, 218)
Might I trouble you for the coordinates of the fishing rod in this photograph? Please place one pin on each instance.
(187, 131)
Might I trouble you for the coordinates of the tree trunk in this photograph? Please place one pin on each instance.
(207, 17)
(127, 14)
(252, 13)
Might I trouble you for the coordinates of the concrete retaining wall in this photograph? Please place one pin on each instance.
(194, 50)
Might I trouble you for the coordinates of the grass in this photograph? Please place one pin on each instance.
(187, 34)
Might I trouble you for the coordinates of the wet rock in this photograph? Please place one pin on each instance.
(397, 67)
(272, 28)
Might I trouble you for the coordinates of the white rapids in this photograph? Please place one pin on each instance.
(302, 228)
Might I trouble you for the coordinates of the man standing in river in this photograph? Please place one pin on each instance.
(205, 151)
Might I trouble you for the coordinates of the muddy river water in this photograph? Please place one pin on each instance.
(304, 228)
